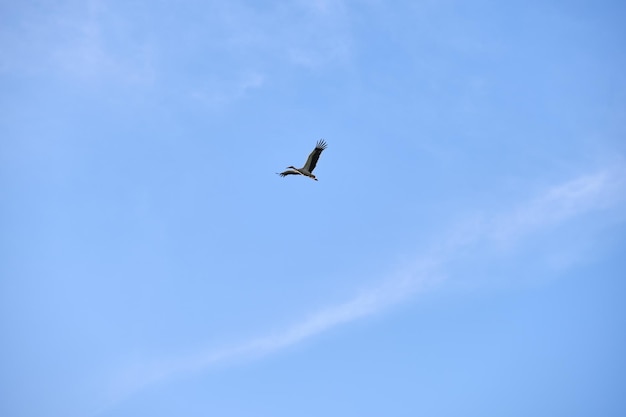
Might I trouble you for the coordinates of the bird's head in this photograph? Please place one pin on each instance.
(313, 177)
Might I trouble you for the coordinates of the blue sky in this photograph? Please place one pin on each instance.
(461, 253)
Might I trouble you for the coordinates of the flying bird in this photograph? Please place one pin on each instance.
(308, 168)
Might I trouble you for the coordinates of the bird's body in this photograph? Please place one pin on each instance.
(309, 166)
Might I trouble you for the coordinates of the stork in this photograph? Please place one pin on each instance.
(308, 168)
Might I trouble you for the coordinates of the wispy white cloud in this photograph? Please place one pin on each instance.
(561, 203)
(401, 285)
(216, 52)
(220, 93)
(566, 201)
(79, 40)
(555, 205)
(307, 34)
(255, 45)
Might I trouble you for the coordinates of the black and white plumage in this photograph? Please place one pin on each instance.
(311, 162)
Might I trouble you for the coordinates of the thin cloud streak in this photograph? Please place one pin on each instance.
(403, 285)
(365, 304)
(556, 205)
(561, 203)
(566, 201)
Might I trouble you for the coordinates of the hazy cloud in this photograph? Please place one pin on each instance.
(85, 40)
(560, 203)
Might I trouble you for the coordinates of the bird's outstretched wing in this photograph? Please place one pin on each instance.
(311, 162)
(289, 172)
